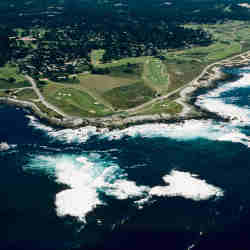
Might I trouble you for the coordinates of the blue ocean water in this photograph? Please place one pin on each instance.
(174, 186)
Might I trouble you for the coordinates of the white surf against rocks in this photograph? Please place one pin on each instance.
(213, 101)
(77, 135)
(187, 130)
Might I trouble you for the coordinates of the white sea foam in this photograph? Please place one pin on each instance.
(34, 122)
(187, 130)
(75, 135)
(87, 176)
(77, 202)
(85, 179)
(216, 105)
(186, 185)
(236, 137)
(78, 135)
(4, 146)
(213, 102)
(124, 189)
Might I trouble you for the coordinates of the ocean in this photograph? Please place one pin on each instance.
(161, 186)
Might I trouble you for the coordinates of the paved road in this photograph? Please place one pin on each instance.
(180, 100)
(42, 99)
(182, 94)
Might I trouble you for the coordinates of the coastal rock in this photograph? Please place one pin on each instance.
(4, 146)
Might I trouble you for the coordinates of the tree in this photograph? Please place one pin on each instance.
(12, 80)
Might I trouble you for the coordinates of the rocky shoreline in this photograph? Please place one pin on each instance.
(188, 94)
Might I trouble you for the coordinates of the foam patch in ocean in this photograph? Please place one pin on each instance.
(186, 185)
(85, 181)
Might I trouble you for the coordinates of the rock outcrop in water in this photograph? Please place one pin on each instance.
(4, 146)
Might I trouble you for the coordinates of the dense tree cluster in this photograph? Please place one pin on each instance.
(5, 51)
(65, 33)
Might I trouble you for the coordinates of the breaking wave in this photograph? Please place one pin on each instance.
(214, 102)
(87, 178)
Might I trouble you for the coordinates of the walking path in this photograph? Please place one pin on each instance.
(42, 99)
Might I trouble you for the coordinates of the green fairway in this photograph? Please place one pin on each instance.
(156, 75)
(74, 102)
(96, 56)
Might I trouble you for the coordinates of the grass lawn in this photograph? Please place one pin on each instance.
(133, 81)
(4, 84)
(129, 71)
(230, 38)
(129, 96)
(164, 106)
(73, 102)
(26, 95)
(3, 94)
(9, 71)
(48, 112)
(124, 61)
(96, 56)
(156, 75)
(100, 83)
(181, 72)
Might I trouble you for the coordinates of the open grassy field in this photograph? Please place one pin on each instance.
(129, 70)
(182, 71)
(73, 101)
(133, 60)
(132, 81)
(96, 56)
(47, 111)
(9, 71)
(156, 75)
(216, 51)
(184, 65)
(4, 84)
(101, 83)
(3, 93)
(129, 96)
(164, 106)
(26, 95)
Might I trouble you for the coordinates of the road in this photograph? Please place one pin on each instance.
(181, 100)
(42, 99)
